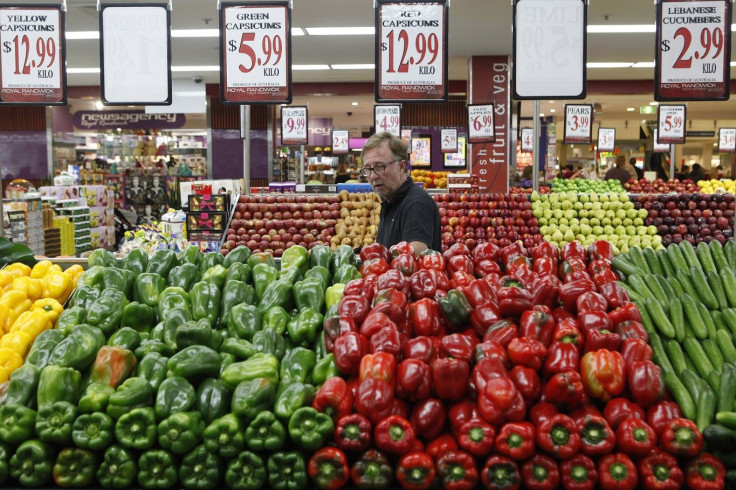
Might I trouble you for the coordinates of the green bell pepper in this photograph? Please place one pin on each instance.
(309, 293)
(17, 423)
(92, 277)
(101, 257)
(85, 295)
(321, 255)
(225, 360)
(174, 318)
(455, 308)
(157, 469)
(181, 432)
(32, 463)
(191, 255)
(210, 259)
(346, 273)
(321, 273)
(93, 431)
(23, 385)
(287, 471)
(161, 262)
(153, 369)
(70, 318)
(184, 276)
(205, 299)
(172, 297)
(112, 366)
(56, 384)
(303, 327)
(154, 345)
(292, 396)
(240, 348)
(136, 429)
(252, 397)
(331, 311)
(290, 274)
(95, 397)
(310, 429)
(147, 288)
(333, 295)
(232, 294)
(245, 320)
(213, 399)
(266, 432)
(4, 456)
(75, 468)
(119, 279)
(257, 366)
(263, 275)
(260, 258)
(136, 261)
(239, 272)
(174, 395)
(297, 365)
(193, 333)
(118, 468)
(105, 313)
(54, 423)
(125, 337)
(276, 318)
(195, 361)
(270, 342)
(239, 254)
(133, 393)
(215, 275)
(246, 472)
(278, 293)
(138, 316)
(42, 348)
(225, 436)
(344, 255)
(295, 256)
(200, 469)
(325, 369)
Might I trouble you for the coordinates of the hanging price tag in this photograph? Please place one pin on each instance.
(411, 56)
(606, 139)
(32, 55)
(340, 141)
(527, 140)
(693, 50)
(727, 140)
(255, 53)
(671, 123)
(578, 123)
(406, 137)
(481, 123)
(658, 147)
(448, 139)
(387, 118)
(294, 126)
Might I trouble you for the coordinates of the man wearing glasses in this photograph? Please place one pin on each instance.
(408, 213)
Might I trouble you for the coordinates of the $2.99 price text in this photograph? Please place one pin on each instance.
(709, 46)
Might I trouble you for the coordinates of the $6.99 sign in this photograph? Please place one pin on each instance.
(481, 125)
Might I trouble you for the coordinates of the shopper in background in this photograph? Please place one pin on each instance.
(408, 213)
(697, 173)
(639, 172)
(619, 172)
(621, 163)
(567, 174)
(655, 165)
(342, 174)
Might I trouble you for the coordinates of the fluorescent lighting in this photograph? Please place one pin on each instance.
(183, 33)
(644, 64)
(195, 32)
(340, 31)
(654, 103)
(196, 68)
(309, 67)
(733, 63)
(80, 71)
(630, 109)
(541, 114)
(355, 66)
(354, 103)
(621, 29)
(608, 65)
(82, 35)
(98, 105)
(553, 110)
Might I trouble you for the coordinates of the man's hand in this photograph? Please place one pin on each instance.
(419, 247)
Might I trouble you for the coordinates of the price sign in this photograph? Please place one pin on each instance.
(411, 54)
(658, 147)
(481, 123)
(406, 137)
(727, 140)
(387, 118)
(135, 54)
(32, 55)
(448, 139)
(294, 126)
(340, 141)
(578, 123)
(671, 123)
(549, 49)
(255, 53)
(693, 50)
(527, 140)
(606, 139)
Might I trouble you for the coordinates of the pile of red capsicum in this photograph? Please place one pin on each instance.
(506, 368)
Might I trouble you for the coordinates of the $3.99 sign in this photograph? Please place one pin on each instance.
(578, 123)
(727, 140)
(671, 123)
(481, 124)
(606, 139)
(294, 126)
(387, 118)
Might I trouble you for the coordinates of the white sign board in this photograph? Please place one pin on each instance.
(340, 141)
(727, 140)
(448, 140)
(671, 121)
(387, 118)
(294, 129)
(578, 123)
(527, 140)
(481, 123)
(606, 139)
(658, 147)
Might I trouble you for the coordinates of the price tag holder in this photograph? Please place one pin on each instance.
(727, 140)
(387, 118)
(32, 55)
(411, 51)
(578, 123)
(527, 140)
(294, 130)
(406, 137)
(481, 123)
(448, 139)
(671, 121)
(606, 139)
(255, 53)
(658, 147)
(693, 50)
(135, 54)
(550, 48)
(340, 141)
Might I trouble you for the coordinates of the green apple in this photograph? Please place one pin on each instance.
(631, 230)
(577, 206)
(543, 229)
(608, 230)
(620, 230)
(588, 205)
(632, 213)
(597, 230)
(542, 221)
(595, 222)
(638, 222)
(657, 240)
(621, 214)
(557, 236)
(624, 249)
(603, 198)
(570, 214)
(628, 205)
(584, 198)
(652, 230)
(616, 221)
(641, 230)
(643, 213)
(606, 221)
(583, 213)
(627, 222)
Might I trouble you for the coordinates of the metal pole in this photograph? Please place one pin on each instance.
(301, 164)
(672, 162)
(535, 151)
(245, 134)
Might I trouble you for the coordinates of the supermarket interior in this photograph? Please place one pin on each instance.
(200, 286)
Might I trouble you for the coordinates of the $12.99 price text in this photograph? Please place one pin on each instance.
(40, 55)
(425, 50)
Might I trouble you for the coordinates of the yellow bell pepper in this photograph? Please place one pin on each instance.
(50, 307)
(57, 285)
(41, 269)
(6, 279)
(4, 375)
(4, 314)
(32, 323)
(18, 341)
(17, 302)
(18, 269)
(75, 272)
(32, 287)
(10, 360)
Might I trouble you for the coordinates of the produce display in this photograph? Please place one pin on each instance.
(712, 186)
(526, 188)
(358, 222)
(587, 185)
(430, 178)
(660, 186)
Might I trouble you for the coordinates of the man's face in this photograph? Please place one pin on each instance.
(387, 184)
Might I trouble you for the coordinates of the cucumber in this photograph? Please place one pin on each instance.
(652, 261)
(729, 318)
(637, 258)
(727, 418)
(707, 319)
(724, 342)
(719, 258)
(676, 259)
(640, 286)
(714, 353)
(706, 408)
(688, 252)
(677, 318)
(693, 383)
(655, 310)
(665, 285)
(659, 354)
(698, 356)
(680, 394)
(700, 283)
(697, 325)
(676, 356)
(727, 392)
(706, 259)
(719, 438)
(675, 285)
(623, 265)
(729, 250)
(653, 285)
(714, 380)
(633, 295)
(718, 320)
(714, 281)
(646, 320)
(687, 284)
(728, 279)
(664, 263)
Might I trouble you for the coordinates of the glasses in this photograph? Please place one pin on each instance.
(379, 169)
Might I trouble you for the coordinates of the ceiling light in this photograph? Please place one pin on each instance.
(654, 103)
(340, 31)
(630, 109)
(309, 67)
(643, 64)
(355, 66)
(81, 71)
(553, 110)
(608, 65)
(99, 105)
(541, 114)
(355, 103)
(196, 68)
(621, 29)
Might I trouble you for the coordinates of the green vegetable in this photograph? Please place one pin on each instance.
(297, 365)
(233, 294)
(137, 316)
(276, 318)
(205, 300)
(304, 326)
(240, 272)
(184, 276)
(181, 432)
(70, 318)
(148, 287)
(136, 261)
(175, 395)
(195, 361)
(133, 393)
(118, 279)
(310, 429)
(54, 423)
(239, 254)
(58, 384)
(210, 259)
(200, 469)
(240, 348)
(246, 472)
(257, 366)
(191, 255)
(244, 321)
(252, 397)
(136, 429)
(714, 281)
(152, 368)
(269, 341)
(292, 396)
(93, 431)
(157, 469)
(118, 468)
(170, 298)
(265, 432)
(161, 262)
(225, 436)
(680, 394)
(75, 468)
(287, 470)
(43, 346)
(125, 337)
(213, 399)
(79, 349)
(23, 385)
(31, 465)
(95, 398)
(194, 333)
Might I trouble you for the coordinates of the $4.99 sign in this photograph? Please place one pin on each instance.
(32, 55)
(448, 139)
(727, 140)
(578, 123)
(387, 118)
(671, 123)
(294, 126)
(255, 53)
(481, 124)
(606, 139)
(527, 140)
(340, 141)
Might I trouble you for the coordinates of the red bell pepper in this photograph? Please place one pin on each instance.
(501, 402)
(415, 471)
(421, 348)
(487, 369)
(334, 398)
(432, 259)
(456, 249)
(457, 471)
(645, 382)
(705, 472)
(632, 330)
(425, 317)
(527, 382)
(484, 317)
(400, 408)
(569, 292)
(596, 340)
(479, 293)
(516, 249)
(394, 434)
(635, 437)
(627, 312)
(573, 249)
(413, 380)
(458, 346)
(558, 436)
(538, 323)
(599, 265)
(328, 467)
(513, 297)
(440, 445)
(681, 437)
(405, 263)
(426, 282)
(603, 373)
(561, 357)
(355, 287)
(402, 247)
(617, 472)
(605, 277)
(660, 414)
(523, 271)
(571, 266)
(565, 390)
(542, 411)
(615, 294)
(355, 306)
(578, 473)
(460, 412)
(374, 266)
(476, 437)
(387, 340)
(373, 251)
(594, 320)
(349, 350)
(526, 351)
(335, 326)
(461, 263)
(450, 378)
(461, 279)
(619, 409)
(485, 267)
(600, 249)
(380, 365)
(577, 275)
(540, 473)
(597, 437)
(500, 472)
(372, 470)
(353, 432)
(660, 471)
(428, 418)
(374, 399)
(545, 266)
(581, 412)
(395, 313)
(591, 301)
(489, 348)
(392, 295)
(485, 251)
(501, 331)
(545, 291)
(545, 249)
(560, 314)
(567, 331)
(516, 440)
(394, 280)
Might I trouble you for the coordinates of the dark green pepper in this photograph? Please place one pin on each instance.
(138, 316)
(321, 273)
(213, 399)
(93, 431)
(172, 297)
(240, 348)
(95, 398)
(125, 337)
(17, 423)
(263, 275)
(193, 333)
(70, 318)
(153, 345)
(85, 295)
(309, 293)
(246, 472)
(54, 423)
(266, 432)
(133, 393)
(344, 255)
(290, 274)
(290, 397)
(147, 288)
(239, 254)
(136, 429)
(276, 318)
(105, 313)
(245, 321)
(215, 275)
(287, 471)
(42, 348)
(310, 429)
(153, 369)
(205, 299)
(297, 365)
(32, 463)
(325, 369)
(181, 432)
(136, 261)
(252, 397)
(4, 456)
(200, 469)
(322, 256)
(260, 258)
(157, 469)
(119, 279)
(257, 366)
(191, 255)
(23, 385)
(210, 259)
(239, 272)
(102, 258)
(58, 383)
(225, 360)
(304, 326)
(174, 318)
(346, 273)
(75, 468)
(161, 262)
(92, 277)
(195, 361)
(270, 342)
(118, 468)
(455, 308)
(114, 294)
(184, 276)
(278, 293)
(175, 395)
(225, 436)
(232, 294)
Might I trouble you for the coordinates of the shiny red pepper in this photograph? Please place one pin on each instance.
(479, 293)
(450, 378)
(460, 412)
(573, 249)
(500, 472)
(632, 330)
(538, 323)
(335, 326)
(334, 398)
(355, 306)
(501, 332)
(400, 408)
(428, 418)
(458, 346)
(604, 338)
(526, 351)
(485, 267)
(603, 373)
(594, 320)
(395, 280)
(388, 340)
(558, 436)
(545, 249)
(545, 266)
(523, 271)
(461, 278)
(426, 282)
(513, 297)
(483, 317)
(619, 409)
(600, 249)
(540, 473)
(598, 265)
(659, 415)
(681, 438)
(569, 292)
(457, 470)
(485, 251)
(374, 399)
(460, 263)
(395, 313)
(597, 437)
(403, 247)
(578, 473)
(615, 294)
(394, 434)
(567, 332)
(645, 382)
(349, 350)
(571, 266)
(705, 472)
(421, 348)
(353, 432)
(501, 402)
(405, 263)
(456, 249)
(628, 312)
(516, 440)
(545, 291)
(374, 250)
(415, 471)
(539, 412)
(380, 365)
(560, 314)
(489, 348)
(565, 390)
(373, 266)
(513, 251)
(432, 259)
(590, 301)
(527, 382)
(604, 277)
(633, 350)
(440, 445)
(561, 357)
(476, 437)
(413, 380)
(486, 369)
(425, 317)
(617, 472)
(660, 471)
(361, 287)
(635, 437)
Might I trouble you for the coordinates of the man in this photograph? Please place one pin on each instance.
(621, 163)
(619, 172)
(408, 213)
(639, 172)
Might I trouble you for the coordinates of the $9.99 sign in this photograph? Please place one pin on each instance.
(671, 123)
(32, 55)
(294, 126)
(387, 118)
(578, 123)
(481, 125)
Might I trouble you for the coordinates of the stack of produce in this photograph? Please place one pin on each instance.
(358, 222)
(587, 185)
(527, 189)
(431, 179)
(713, 186)
(567, 217)
(660, 186)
